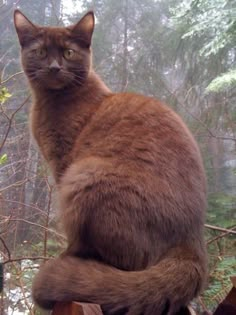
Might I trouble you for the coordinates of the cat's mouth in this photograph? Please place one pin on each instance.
(51, 80)
(56, 81)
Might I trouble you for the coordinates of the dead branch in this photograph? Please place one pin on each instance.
(220, 236)
(12, 260)
(216, 228)
(11, 77)
(10, 120)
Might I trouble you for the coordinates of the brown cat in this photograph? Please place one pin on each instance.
(130, 181)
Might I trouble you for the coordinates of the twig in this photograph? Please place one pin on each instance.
(38, 225)
(25, 297)
(210, 132)
(26, 205)
(11, 77)
(19, 183)
(6, 247)
(10, 122)
(25, 258)
(47, 218)
(219, 236)
(216, 228)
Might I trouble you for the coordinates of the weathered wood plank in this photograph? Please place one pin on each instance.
(74, 308)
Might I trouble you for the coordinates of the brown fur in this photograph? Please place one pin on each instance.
(130, 181)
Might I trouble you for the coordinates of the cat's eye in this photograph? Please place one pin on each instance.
(69, 53)
(41, 52)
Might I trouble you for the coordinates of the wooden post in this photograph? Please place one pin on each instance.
(74, 308)
(228, 305)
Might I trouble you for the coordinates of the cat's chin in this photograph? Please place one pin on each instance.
(56, 85)
(50, 84)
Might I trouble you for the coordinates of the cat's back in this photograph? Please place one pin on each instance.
(130, 125)
(140, 136)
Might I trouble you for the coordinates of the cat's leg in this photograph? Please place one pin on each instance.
(115, 230)
(105, 217)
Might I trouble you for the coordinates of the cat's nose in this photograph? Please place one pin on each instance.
(54, 67)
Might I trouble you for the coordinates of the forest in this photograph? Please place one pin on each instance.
(181, 52)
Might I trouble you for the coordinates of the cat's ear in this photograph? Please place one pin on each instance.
(83, 30)
(25, 29)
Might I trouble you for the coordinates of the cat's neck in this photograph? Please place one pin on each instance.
(58, 118)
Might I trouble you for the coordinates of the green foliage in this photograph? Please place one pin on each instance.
(212, 20)
(53, 248)
(223, 82)
(3, 159)
(208, 32)
(221, 251)
(50, 246)
(4, 95)
(220, 281)
(221, 209)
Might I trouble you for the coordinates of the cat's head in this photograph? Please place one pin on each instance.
(55, 57)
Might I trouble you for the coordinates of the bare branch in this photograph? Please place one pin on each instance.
(25, 258)
(220, 236)
(10, 122)
(6, 248)
(38, 225)
(216, 228)
(11, 77)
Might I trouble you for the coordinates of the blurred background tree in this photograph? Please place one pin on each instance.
(182, 52)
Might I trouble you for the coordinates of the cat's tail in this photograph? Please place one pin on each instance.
(160, 289)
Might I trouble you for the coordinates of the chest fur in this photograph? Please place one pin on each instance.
(55, 131)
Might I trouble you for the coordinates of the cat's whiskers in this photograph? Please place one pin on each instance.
(32, 76)
(75, 79)
(34, 72)
(74, 76)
